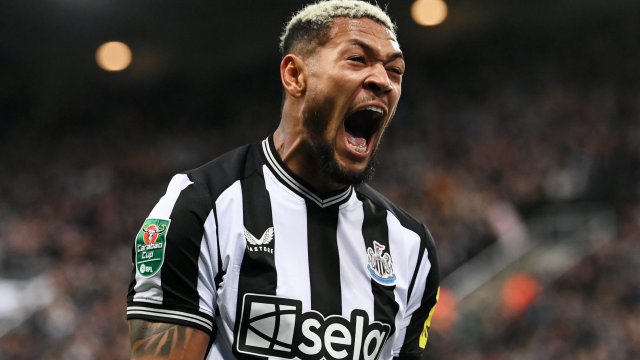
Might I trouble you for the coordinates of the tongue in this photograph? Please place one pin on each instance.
(359, 143)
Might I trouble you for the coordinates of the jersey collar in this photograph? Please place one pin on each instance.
(295, 183)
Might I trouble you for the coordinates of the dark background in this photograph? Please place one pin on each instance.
(532, 107)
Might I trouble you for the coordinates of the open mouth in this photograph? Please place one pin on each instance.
(360, 127)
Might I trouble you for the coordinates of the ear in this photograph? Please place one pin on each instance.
(292, 75)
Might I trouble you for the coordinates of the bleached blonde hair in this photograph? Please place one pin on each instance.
(310, 26)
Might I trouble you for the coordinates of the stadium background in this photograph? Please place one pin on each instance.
(516, 140)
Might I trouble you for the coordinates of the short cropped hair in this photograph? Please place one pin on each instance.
(310, 27)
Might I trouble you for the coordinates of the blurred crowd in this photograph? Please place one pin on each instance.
(516, 128)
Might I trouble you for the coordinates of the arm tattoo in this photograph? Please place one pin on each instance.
(159, 340)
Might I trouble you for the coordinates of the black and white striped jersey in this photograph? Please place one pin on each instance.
(245, 250)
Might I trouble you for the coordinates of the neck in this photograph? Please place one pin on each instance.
(295, 150)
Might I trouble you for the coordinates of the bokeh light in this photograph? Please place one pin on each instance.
(113, 56)
(446, 313)
(519, 292)
(429, 12)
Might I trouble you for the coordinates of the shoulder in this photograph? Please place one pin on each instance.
(220, 173)
(366, 193)
(197, 189)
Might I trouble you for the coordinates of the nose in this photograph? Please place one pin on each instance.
(378, 81)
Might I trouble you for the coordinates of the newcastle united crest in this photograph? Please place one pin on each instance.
(379, 265)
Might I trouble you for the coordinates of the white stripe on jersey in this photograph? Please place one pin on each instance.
(414, 302)
(232, 247)
(403, 247)
(419, 287)
(289, 212)
(150, 289)
(355, 281)
(207, 266)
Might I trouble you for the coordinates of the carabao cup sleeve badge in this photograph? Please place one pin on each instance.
(151, 242)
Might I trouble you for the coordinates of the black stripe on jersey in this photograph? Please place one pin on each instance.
(375, 228)
(258, 269)
(218, 175)
(217, 280)
(132, 283)
(181, 261)
(324, 260)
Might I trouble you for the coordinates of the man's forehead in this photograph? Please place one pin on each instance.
(362, 28)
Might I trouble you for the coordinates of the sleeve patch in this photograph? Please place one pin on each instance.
(150, 244)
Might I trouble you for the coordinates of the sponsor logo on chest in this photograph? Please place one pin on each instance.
(262, 244)
(273, 326)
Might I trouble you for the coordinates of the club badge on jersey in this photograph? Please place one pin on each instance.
(150, 246)
(380, 265)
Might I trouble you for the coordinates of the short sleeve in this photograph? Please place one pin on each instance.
(174, 259)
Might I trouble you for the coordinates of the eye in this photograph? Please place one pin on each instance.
(395, 70)
(357, 58)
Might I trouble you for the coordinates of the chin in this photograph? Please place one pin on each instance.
(340, 174)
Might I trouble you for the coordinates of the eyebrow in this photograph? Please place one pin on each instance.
(367, 48)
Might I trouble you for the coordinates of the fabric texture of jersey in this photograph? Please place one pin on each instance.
(251, 255)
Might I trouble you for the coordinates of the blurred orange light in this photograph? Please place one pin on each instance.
(519, 292)
(446, 313)
(429, 12)
(113, 56)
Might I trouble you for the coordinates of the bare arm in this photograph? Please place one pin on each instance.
(156, 340)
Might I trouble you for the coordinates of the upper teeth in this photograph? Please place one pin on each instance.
(373, 108)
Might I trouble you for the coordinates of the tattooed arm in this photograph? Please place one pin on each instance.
(155, 340)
